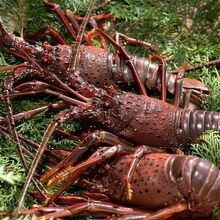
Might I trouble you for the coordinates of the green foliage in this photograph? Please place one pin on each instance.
(182, 29)
(208, 147)
(163, 21)
(212, 103)
(8, 176)
(216, 213)
(11, 175)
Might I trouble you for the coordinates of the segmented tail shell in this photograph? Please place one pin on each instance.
(191, 124)
(147, 70)
(198, 180)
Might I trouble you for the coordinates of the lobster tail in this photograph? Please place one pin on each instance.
(193, 123)
(147, 70)
(198, 180)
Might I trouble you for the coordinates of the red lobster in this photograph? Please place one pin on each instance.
(97, 66)
(185, 187)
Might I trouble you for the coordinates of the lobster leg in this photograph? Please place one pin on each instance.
(84, 207)
(32, 112)
(103, 4)
(64, 17)
(36, 211)
(72, 19)
(89, 141)
(98, 17)
(199, 66)
(41, 87)
(43, 32)
(187, 94)
(135, 41)
(56, 8)
(12, 67)
(36, 85)
(161, 214)
(68, 15)
(65, 200)
(127, 58)
(67, 135)
(92, 21)
(179, 85)
(162, 71)
(59, 118)
(21, 72)
(93, 207)
(138, 154)
(87, 207)
(97, 157)
(73, 199)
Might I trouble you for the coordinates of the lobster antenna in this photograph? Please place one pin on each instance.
(76, 47)
(11, 123)
(63, 85)
(199, 66)
(22, 15)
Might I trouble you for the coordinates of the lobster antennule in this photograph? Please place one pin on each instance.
(20, 48)
(2, 28)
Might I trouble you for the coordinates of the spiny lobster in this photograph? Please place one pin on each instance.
(146, 179)
(137, 118)
(96, 65)
(105, 106)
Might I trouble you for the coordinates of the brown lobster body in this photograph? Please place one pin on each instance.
(159, 180)
(145, 120)
(103, 68)
(96, 65)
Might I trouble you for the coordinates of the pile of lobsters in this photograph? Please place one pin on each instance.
(123, 165)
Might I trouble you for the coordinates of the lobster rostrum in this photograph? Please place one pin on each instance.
(98, 66)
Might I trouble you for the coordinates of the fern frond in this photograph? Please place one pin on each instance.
(208, 147)
(9, 176)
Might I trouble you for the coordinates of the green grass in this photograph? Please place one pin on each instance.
(163, 23)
